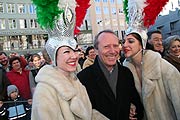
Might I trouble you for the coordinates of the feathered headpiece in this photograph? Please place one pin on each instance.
(49, 11)
(59, 18)
(81, 9)
(140, 14)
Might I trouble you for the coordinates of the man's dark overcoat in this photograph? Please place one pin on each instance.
(102, 97)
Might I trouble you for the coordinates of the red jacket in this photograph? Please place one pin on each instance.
(21, 81)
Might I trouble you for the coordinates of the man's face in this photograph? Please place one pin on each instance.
(92, 54)
(156, 41)
(108, 49)
(3, 60)
(16, 65)
(14, 95)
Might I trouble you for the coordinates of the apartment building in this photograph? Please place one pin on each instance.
(168, 24)
(103, 14)
(107, 14)
(18, 26)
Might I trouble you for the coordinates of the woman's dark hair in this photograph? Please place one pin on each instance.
(3, 53)
(152, 32)
(46, 56)
(88, 49)
(138, 37)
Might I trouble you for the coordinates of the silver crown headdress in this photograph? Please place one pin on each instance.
(140, 14)
(61, 34)
(60, 26)
(58, 17)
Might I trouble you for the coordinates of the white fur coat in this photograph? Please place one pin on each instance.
(160, 91)
(57, 97)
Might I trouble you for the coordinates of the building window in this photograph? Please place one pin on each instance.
(33, 23)
(113, 11)
(21, 8)
(98, 10)
(22, 23)
(121, 10)
(1, 8)
(99, 22)
(122, 23)
(32, 9)
(111, 1)
(97, 0)
(2, 24)
(114, 22)
(119, 1)
(106, 10)
(105, 1)
(160, 28)
(12, 23)
(173, 25)
(116, 32)
(10, 8)
(123, 34)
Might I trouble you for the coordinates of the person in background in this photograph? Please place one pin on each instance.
(30, 65)
(4, 82)
(4, 61)
(46, 57)
(110, 86)
(156, 80)
(19, 77)
(155, 41)
(43, 61)
(82, 58)
(22, 59)
(172, 50)
(36, 59)
(90, 56)
(121, 54)
(16, 108)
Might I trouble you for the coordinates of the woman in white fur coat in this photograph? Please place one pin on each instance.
(59, 95)
(156, 80)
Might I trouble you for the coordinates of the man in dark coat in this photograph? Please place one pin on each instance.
(4, 82)
(110, 86)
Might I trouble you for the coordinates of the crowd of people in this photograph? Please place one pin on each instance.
(138, 81)
(148, 79)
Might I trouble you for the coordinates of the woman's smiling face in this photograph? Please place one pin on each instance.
(131, 46)
(67, 59)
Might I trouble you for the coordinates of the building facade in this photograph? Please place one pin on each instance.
(103, 14)
(18, 26)
(169, 24)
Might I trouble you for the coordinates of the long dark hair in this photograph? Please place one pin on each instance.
(138, 37)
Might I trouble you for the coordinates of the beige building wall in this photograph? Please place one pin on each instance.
(107, 14)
